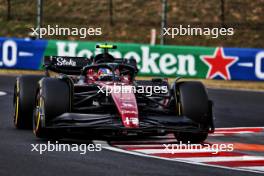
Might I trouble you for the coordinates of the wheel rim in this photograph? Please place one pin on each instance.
(38, 114)
(16, 110)
(16, 104)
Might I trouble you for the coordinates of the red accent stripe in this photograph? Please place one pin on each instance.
(138, 147)
(200, 154)
(238, 163)
(155, 147)
(142, 148)
(157, 141)
(239, 130)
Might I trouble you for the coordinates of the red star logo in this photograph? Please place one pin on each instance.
(219, 64)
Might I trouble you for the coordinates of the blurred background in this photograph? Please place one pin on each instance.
(132, 21)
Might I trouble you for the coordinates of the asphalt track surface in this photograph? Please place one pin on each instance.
(231, 109)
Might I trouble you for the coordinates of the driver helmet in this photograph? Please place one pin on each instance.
(104, 72)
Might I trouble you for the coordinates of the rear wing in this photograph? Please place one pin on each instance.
(66, 65)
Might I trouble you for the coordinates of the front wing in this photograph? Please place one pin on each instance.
(75, 122)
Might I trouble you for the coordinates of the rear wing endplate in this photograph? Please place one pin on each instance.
(66, 65)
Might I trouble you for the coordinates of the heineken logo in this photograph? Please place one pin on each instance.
(184, 61)
(148, 62)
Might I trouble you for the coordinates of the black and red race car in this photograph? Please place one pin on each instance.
(100, 96)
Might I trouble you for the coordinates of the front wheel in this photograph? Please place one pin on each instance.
(39, 119)
(194, 104)
(53, 99)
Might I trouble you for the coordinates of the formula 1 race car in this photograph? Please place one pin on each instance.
(100, 96)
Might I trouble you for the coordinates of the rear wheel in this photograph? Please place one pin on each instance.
(24, 99)
(53, 99)
(193, 103)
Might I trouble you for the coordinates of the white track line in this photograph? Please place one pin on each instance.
(147, 141)
(256, 168)
(213, 134)
(239, 90)
(149, 146)
(106, 146)
(155, 151)
(220, 158)
(2, 93)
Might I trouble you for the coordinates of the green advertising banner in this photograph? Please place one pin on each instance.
(153, 60)
(166, 61)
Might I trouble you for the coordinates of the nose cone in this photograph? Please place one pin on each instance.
(125, 100)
